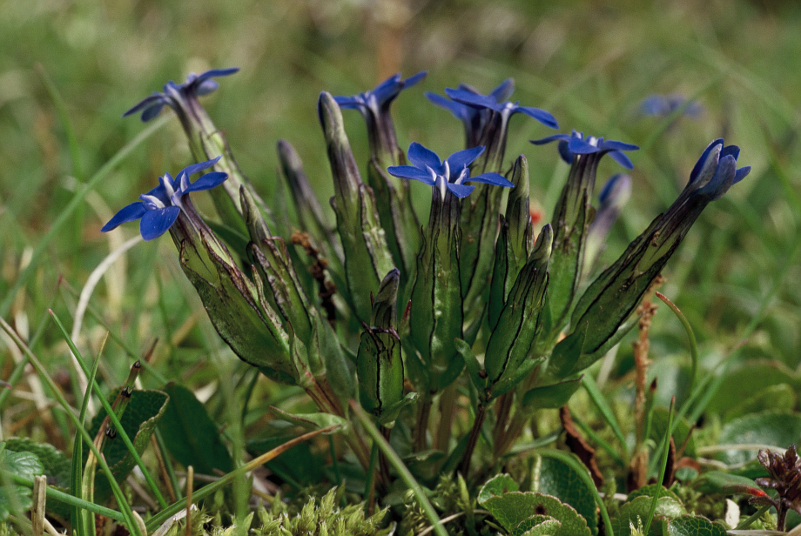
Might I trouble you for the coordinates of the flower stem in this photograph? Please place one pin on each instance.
(481, 413)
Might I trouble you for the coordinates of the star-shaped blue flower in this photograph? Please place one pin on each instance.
(174, 94)
(576, 144)
(506, 108)
(452, 174)
(158, 209)
(381, 96)
(471, 116)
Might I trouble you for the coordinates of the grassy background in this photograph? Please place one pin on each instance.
(589, 63)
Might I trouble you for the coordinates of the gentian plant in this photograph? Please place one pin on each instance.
(477, 317)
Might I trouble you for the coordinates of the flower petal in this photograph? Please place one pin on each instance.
(579, 146)
(206, 182)
(156, 222)
(194, 168)
(540, 115)
(411, 172)
(461, 111)
(151, 112)
(206, 87)
(460, 159)
(213, 73)
(423, 158)
(612, 145)
(472, 99)
(621, 159)
(147, 102)
(388, 89)
(491, 178)
(460, 190)
(702, 160)
(131, 212)
(741, 174)
(351, 103)
(503, 91)
(549, 139)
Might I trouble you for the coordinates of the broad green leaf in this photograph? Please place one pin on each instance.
(497, 486)
(650, 490)
(554, 477)
(666, 508)
(659, 424)
(26, 465)
(780, 397)
(190, 434)
(695, 526)
(776, 428)
(513, 508)
(56, 465)
(747, 380)
(139, 421)
(537, 526)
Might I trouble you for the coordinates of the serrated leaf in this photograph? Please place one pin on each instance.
(554, 477)
(777, 428)
(513, 508)
(56, 465)
(26, 465)
(497, 486)
(537, 526)
(650, 490)
(666, 508)
(190, 434)
(695, 526)
(139, 421)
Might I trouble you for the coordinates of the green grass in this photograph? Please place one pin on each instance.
(69, 71)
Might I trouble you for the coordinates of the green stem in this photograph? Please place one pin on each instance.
(481, 413)
(662, 468)
(402, 470)
(690, 335)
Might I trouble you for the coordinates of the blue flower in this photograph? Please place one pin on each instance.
(664, 105)
(715, 172)
(452, 174)
(576, 144)
(474, 119)
(381, 96)
(159, 208)
(493, 102)
(174, 94)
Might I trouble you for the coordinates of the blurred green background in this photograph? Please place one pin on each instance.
(589, 63)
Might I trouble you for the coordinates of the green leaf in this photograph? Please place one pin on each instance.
(26, 465)
(650, 490)
(512, 509)
(750, 378)
(56, 465)
(314, 421)
(474, 368)
(695, 526)
(776, 428)
(666, 508)
(554, 477)
(190, 434)
(537, 526)
(781, 397)
(139, 421)
(726, 484)
(551, 396)
(497, 486)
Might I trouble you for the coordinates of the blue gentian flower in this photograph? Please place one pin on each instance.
(159, 208)
(715, 172)
(664, 105)
(506, 109)
(452, 174)
(174, 94)
(474, 119)
(381, 96)
(576, 144)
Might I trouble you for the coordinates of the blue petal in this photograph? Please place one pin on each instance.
(579, 146)
(701, 161)
(724, 177)
(565, 153)
(621, 159)
(152, 112)
(472, 99)
(145, 103)
(458, 160)
(549, 139)
(732, 150)
(207, 182)
(460, 190)
(613, 145)
(132, 212)
(156, 222)
(414, 79)
(503, 91)
(461, 111)
(411, 172)
(213, 73)
(655, 105)
(351, 103)
(741, 174)
(540, 115)
(206, 87)
(388, 89)
(491, 178)
(423, 158)
(194, 168)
